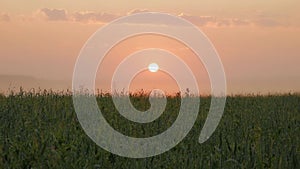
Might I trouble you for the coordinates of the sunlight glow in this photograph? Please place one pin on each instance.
(153, 67)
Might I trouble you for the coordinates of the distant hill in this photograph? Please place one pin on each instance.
(14, 82)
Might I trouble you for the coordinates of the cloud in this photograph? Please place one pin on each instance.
(214, 21)
(103, 17)
(55, 14)
(198, 20)
(240, 22)
(259, 20)
(85, 17)
(93, 17)
(134, 11)
(4, 17)
(224, 23)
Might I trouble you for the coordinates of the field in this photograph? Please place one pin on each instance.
(40, 130)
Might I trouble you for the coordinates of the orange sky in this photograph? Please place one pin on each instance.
(258, 41)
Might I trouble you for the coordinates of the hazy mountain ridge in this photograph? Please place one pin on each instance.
(14, 82)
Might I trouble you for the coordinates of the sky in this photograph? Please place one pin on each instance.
(258, 42)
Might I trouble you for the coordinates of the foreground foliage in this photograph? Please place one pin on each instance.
(40, 130)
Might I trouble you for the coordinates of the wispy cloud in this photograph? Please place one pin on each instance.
(134, 11)
(55, 14)
(215, 21)
(198, 20)
(212, 21)
(92, 17)
(240, 22)
(103, 17)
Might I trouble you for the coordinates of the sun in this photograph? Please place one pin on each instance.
(153, 67)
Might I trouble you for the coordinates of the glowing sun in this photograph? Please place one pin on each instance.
(153, 67)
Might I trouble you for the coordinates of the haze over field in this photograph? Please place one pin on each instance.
(258, 42)
(160, 95)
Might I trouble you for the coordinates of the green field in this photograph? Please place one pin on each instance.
(40, 130)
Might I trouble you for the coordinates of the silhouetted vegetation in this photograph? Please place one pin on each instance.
(39, 129)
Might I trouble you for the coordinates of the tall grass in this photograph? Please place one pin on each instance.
(40, 130)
